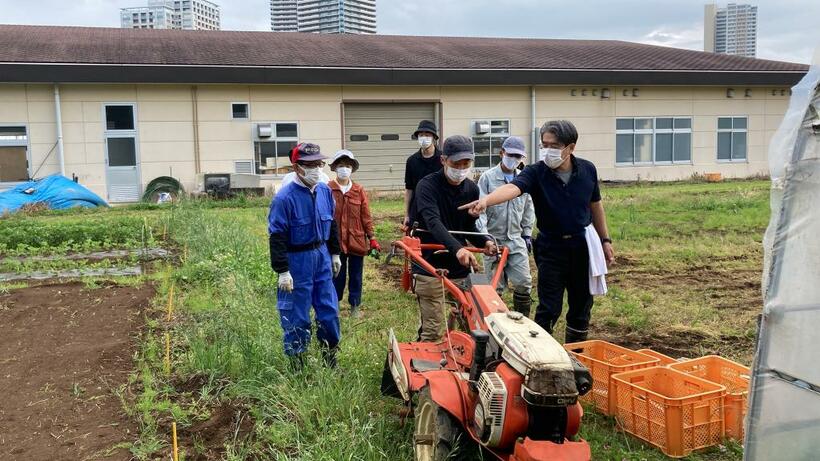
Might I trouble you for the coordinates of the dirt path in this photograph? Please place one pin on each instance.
(64, 349)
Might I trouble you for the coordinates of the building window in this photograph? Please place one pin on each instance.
(731, 142)
(120, 135)
(240, 111)
(487, 141)
(271, 154)
(13, 154)
(119, 118)
(646, 141)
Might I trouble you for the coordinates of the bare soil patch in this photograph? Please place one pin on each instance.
(64, 349)
(205, 440)
(723, 288)
(720, 284)
(679, 343)
(392, 272)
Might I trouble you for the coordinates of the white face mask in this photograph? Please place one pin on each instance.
(510, 162)
(551, 156)
(456, 175)
(343, 172)
(311, 176)
(425, 141)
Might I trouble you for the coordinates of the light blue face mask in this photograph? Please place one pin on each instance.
(344, 172)
(510, 162)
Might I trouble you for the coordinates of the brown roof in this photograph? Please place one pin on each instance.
(130, 47)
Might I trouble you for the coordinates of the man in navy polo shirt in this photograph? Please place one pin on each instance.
(565, 193)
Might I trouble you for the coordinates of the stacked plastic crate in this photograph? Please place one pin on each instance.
(678, 406)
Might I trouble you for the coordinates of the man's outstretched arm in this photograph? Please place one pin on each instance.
(503, 194)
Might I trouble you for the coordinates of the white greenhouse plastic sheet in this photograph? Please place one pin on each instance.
(783, 418)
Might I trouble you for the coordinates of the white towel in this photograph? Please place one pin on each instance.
(597, 263)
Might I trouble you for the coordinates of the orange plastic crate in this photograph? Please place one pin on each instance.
(663, 358)
(734, 377)
(672, 410)
(604, 360)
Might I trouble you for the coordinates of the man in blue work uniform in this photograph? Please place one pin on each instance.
(303, 236)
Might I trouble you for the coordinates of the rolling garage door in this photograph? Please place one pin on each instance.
(379, 135)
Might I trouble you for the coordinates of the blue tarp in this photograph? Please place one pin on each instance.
(56, 191)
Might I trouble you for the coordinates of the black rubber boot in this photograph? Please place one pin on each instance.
(329, 356)
(522, 302)
(575, 336)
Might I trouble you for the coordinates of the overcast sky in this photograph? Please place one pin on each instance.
(788, 30)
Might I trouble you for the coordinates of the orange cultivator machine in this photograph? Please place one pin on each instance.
(497, 377)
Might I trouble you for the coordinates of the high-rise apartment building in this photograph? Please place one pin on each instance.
(283, 16)
(731, 29)
(324, 16)
(172, 14)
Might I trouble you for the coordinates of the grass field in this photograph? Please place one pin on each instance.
(686, 282)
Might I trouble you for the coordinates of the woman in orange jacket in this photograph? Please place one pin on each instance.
(356, 234)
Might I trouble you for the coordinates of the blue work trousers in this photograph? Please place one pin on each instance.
(312, 285)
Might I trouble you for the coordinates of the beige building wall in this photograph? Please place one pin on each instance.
(595, 118)
(165, 127)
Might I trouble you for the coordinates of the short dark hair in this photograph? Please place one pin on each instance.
(563, 130)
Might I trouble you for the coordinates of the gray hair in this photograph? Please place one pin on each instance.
(563, 130)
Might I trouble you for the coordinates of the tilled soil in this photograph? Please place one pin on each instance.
(735, 292)
(679, 344)
(64, 350)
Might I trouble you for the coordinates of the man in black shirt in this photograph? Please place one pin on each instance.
(425, 161)
(567, 202)
(435, 208)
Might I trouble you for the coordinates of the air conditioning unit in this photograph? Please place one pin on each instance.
(223, 185)
(245, 181)
(482, 127)
(264, 130)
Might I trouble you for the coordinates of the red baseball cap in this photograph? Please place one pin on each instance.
(306, 152)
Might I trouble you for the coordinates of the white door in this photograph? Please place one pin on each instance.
(121, 153)
(121, 169)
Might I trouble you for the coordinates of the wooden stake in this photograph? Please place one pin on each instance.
(171, 301)
(167, 353)
(174, 434)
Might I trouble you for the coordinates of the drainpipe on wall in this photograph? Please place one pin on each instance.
(59, 122)
(534, 137)
(195, 111)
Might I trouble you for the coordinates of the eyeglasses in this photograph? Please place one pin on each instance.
(314, 164)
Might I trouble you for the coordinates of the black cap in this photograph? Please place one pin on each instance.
(457, 148)
(426, 125)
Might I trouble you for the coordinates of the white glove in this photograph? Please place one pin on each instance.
(286, 282)
(337, 265)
